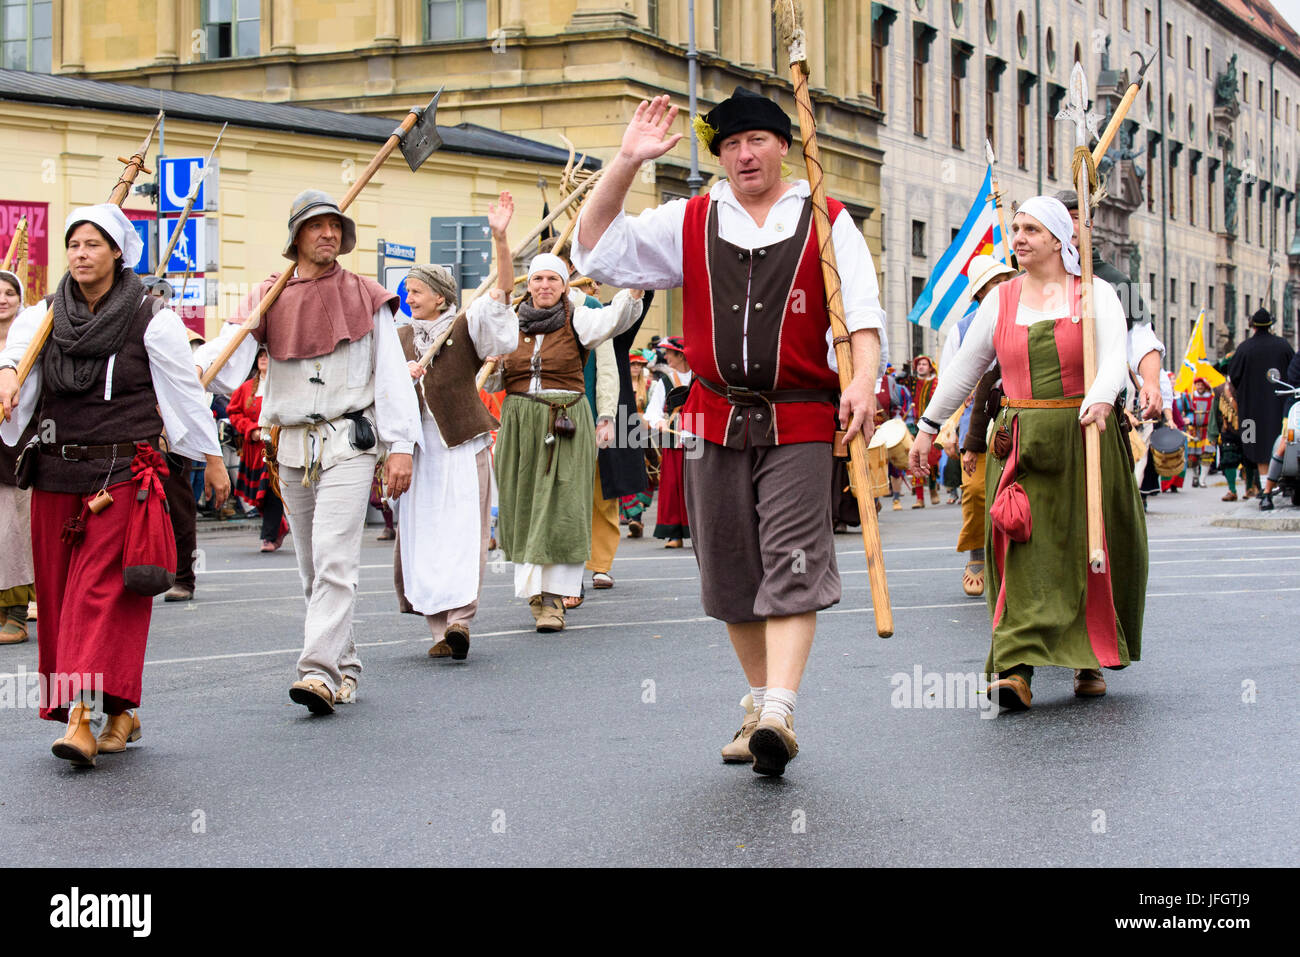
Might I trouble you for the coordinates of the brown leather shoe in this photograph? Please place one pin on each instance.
(535, 606)
(440, 650)
(120, 729)
(313, 693)
(1088, 683)
(13, 632)
(179, 593)
(456, 638)
(387, 535)
(78, 743)
(1011, 693)
(551, 617)
(773, 745)
(1229, 497)
(737, 750)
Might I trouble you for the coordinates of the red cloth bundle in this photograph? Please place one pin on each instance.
(149, 552)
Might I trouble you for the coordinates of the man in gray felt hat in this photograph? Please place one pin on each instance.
(338, 391)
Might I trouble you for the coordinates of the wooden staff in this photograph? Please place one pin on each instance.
(122, 189)
(255, 317)
(14, 254)
(1112, 128)
(1091, 434)
(22, 262)
(165, 258)
(789, 19)
(581, 190)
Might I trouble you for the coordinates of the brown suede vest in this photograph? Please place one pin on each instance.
(129, 415)
(448, 387)
(563, 359)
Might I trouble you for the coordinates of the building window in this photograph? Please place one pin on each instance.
(918, 95)
(991, 21)
(878, 64)
(958, 11)
(1192, 301)
(1277, 109)
(1078, 53)
(652, 16)
(1263, 214)
(1022, 127)
(1209, 300)
(1022, 36)
(990, 109)
(1191, 64)
(26, 35)
(233, 28)
(717, 25)
(1151, 192)
(1260, 100)
(1209, 208)
(1148, 25)
(1173, 191)
(1191, 197)
(464, 19)
(956, 111)
(1207, 63)
(1123, 14)
(1245, 87)
(1173, 289)
(1051, 50)
(918, 238)
(1169, 39)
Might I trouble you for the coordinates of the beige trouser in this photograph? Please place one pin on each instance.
(604, 529)
(972, 508)
(327, 521)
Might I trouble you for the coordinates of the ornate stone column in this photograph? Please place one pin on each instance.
(165, 24)
(73, 57)
(386, 23)
(282, 26)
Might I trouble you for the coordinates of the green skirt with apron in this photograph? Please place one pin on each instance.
(544, 491)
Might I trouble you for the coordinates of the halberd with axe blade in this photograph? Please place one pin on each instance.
(418, 139)
(1085, 180)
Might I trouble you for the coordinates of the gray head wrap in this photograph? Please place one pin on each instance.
(439, 279)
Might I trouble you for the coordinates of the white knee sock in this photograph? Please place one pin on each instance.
(778, 703)
(759, 696)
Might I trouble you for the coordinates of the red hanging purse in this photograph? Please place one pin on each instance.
(149, 554)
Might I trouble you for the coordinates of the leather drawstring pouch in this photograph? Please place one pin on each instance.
(149, 552)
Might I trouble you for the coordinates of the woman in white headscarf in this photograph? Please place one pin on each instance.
(115, 371)
(16, 575)
(546, 449)
(1047, 608)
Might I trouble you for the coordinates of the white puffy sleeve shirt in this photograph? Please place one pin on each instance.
(957, 379)
(186, 409)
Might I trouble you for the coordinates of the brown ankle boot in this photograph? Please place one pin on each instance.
(78, 744)
(120, 729)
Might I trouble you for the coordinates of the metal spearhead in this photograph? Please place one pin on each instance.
(988, 153)
(422, 140)
(1076, 107)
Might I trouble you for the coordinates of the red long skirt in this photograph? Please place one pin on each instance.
(672, 520)
(91, 629)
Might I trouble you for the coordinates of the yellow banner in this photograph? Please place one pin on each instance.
(1194, 364)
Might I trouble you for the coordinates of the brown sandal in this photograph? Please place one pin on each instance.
(972, 582)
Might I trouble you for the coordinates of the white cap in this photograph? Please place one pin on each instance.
(110, 218)
(548, 262)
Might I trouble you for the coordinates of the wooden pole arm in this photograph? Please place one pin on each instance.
(12, 255)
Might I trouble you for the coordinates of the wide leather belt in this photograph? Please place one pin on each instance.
(1041, 403)
(84, 453)
(743, 397)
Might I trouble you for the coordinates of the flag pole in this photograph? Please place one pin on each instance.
(997, 204)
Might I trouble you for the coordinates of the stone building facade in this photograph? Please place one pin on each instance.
(1201, 182)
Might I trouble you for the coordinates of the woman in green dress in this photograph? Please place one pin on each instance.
(1046, 607)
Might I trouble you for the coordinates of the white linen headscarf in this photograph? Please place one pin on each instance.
(22, 292)
(111, 219)
(548, 262)
(1051, 212)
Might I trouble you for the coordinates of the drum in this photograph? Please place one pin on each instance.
(1168, 451)
(878, 467)
(897, 442)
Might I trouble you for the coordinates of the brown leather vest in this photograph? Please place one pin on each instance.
(448, 387)
(562, 360)
(130, 414)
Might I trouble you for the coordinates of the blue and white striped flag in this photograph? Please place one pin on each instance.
(944, 296)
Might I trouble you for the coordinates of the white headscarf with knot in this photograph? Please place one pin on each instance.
(1051, 212)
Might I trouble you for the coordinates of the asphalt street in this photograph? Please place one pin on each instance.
(599, 746)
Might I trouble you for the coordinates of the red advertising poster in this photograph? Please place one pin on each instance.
(38, 232)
